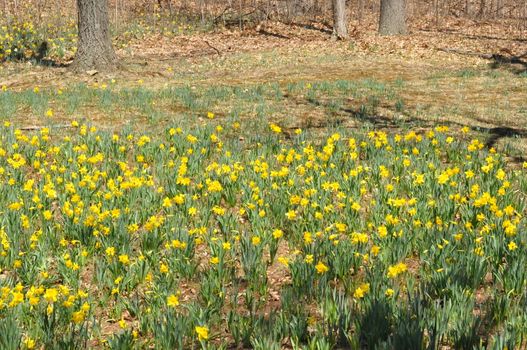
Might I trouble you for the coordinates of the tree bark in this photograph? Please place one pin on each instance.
(340, 23)
(393, 17)
(94, 48)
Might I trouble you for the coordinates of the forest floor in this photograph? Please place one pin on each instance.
(462, 76)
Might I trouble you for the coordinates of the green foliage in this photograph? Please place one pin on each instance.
(20, 41)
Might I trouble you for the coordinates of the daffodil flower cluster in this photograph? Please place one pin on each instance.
(197, 238)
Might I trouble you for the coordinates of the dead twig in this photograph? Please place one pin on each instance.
(212, 47)
(35, 127)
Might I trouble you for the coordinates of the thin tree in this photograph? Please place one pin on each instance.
(340, 23)
(94, 48)
(393, 17)
(481, 8)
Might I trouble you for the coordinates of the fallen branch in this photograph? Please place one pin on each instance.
(35, 127)
(466, 53)
(212, 47)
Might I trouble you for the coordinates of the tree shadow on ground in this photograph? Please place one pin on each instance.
(381, 326)
(472, 36)
(494, 134)
(513, 63)
(312, 27)
(275, 35)
(362, 117)
(51, 63)
(40, 57)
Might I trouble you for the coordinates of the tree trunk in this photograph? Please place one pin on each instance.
(360, 10)
(393, 17)
(481, 8)
(340, 25)
(94, 50)
(499, 8)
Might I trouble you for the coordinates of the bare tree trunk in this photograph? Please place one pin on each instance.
(360, 10)
(524, 14)
(481, 8)
(95, 50)
(116, 18)
(170, 10)
(240, 14)
(491, 7)
(393, 17)
(436, 12)
(202, 11)
(315, 9)
(6, 12)
(499, 8)
(340, 23)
